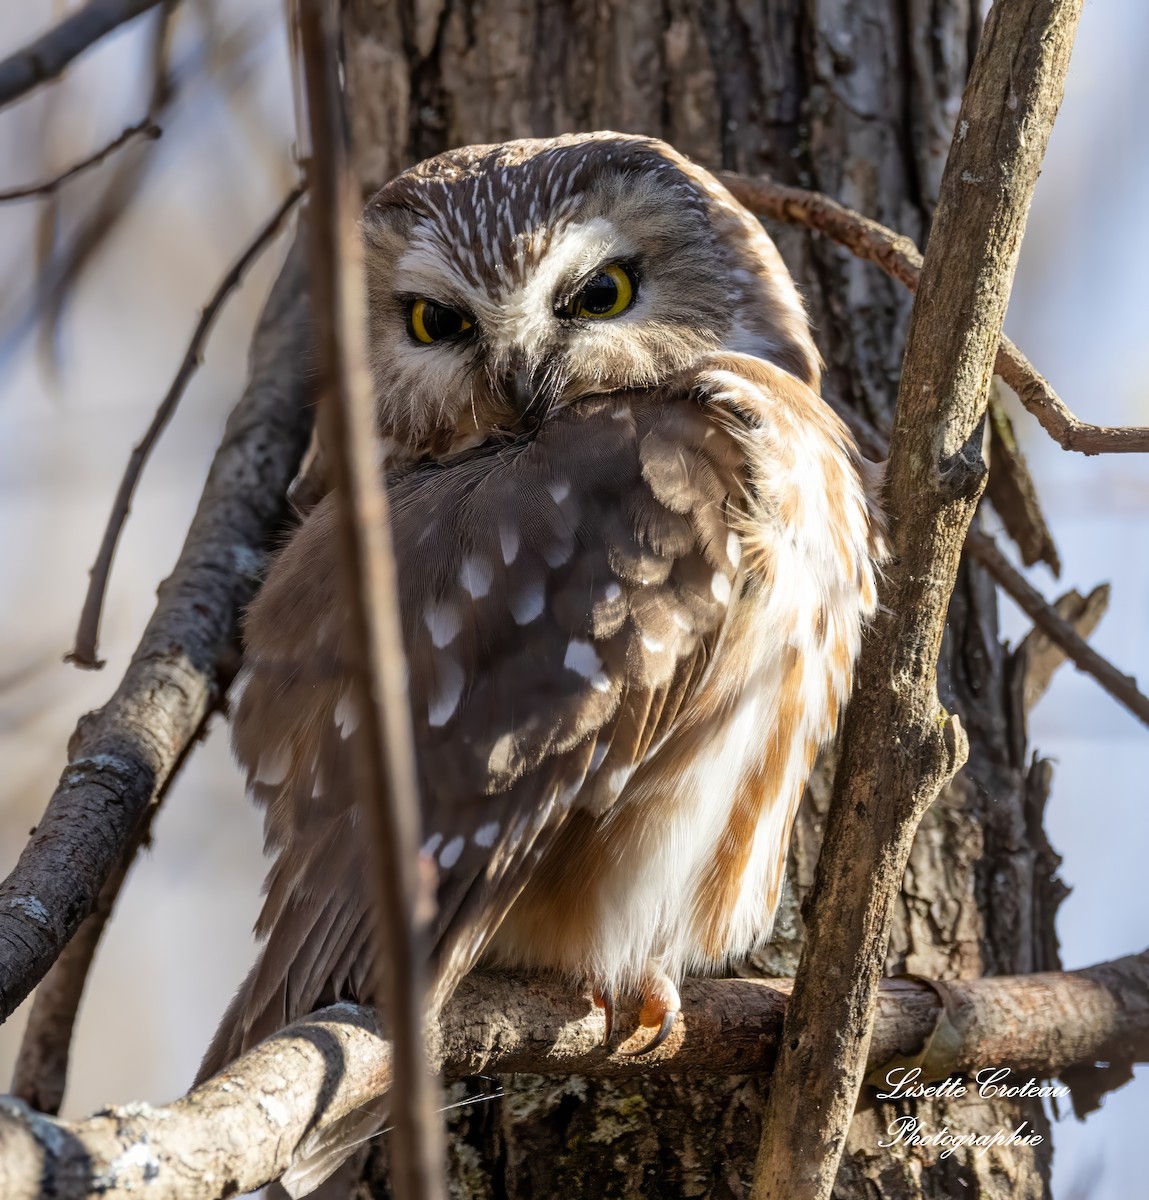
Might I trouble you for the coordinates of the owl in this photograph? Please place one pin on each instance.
(636, 552)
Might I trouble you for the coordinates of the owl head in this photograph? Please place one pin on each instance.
(506, 281)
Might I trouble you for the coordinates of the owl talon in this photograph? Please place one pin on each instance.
(660, 1006)
(605, 1001)
(660, 1037)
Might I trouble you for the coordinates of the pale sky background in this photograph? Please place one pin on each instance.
(179, 943)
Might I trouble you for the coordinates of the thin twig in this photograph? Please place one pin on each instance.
(146, 128)
(1121, 687)
(85, 652)
(122, 755)
(899, 746)
(49, 54)
(1038, 397)
(57, 273)
(239, 1130)
(899, 258)
(387, 778)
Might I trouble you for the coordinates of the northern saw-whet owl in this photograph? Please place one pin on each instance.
(636, 551)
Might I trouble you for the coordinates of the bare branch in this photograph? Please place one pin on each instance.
(894, 253)
(1068, 636)
(1121, 687)
(899, 258)
(899, 746)
(49, 54)
(146, 128)
(1038, 397)
(57, 272)
(384, 743)
(122, 755)
(85, 652)
(1039, 655)
(1062, 633)
(241, 1129)
(41, 1074)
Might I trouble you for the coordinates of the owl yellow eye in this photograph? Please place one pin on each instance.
(608, 294)
(429, 322)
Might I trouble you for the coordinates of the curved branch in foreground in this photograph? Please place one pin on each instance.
(49, 54)
(899, 746)
(241, 1129)
(386, 779)
(85, 651)
(147, 128)
(122, 755)
(900, 259)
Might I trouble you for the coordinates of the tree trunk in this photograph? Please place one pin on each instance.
(855, 98)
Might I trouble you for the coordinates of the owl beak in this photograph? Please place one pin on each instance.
(529, 392)
(521, 386)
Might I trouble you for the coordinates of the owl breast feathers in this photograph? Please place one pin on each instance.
(636, 552)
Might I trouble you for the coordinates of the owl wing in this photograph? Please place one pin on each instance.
(562, 600)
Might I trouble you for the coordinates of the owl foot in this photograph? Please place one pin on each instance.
(605, 1001)
(660, 1006)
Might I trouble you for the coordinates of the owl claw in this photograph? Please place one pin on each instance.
(605, 1001)
(660, 1006)
(663, 1033)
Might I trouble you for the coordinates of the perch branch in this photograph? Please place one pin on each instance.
(899, 746)
(899, 258)
(121, 756)
(239, 1130)
(146, 128)
(386, 775)
(1046, 618)
(85, 651)
(49, 54)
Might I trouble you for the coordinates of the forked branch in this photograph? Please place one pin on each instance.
(1046, 618)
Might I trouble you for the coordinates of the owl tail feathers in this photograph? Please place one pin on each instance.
(227, 1044)
(322, 1153)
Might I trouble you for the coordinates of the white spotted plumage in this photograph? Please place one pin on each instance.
(636, 553)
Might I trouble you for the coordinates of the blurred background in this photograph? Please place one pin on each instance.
(81, 376)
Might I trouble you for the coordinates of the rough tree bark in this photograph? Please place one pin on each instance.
(855, 98)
